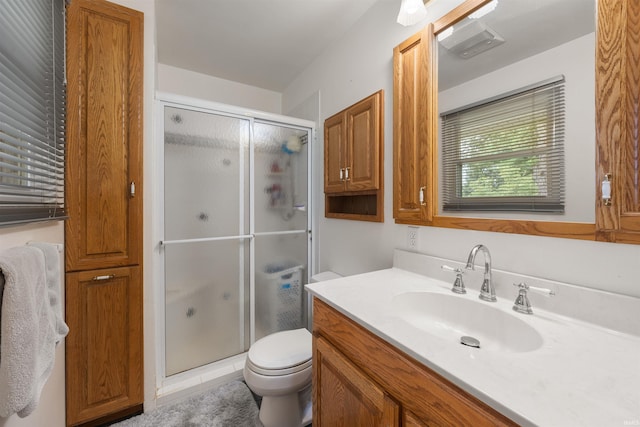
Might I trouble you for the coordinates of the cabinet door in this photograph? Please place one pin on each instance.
(334, 153)
(104, 130)
(344, 396)
(412, 184)
(618, 119)
(364, 146)
(104, 346)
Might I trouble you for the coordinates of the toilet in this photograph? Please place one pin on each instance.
(278, 368)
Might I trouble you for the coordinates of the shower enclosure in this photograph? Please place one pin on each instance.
(235, 242)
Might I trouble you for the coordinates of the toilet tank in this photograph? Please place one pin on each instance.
(325, 275)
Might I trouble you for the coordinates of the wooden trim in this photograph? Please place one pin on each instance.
(570, 230)
(457, 14)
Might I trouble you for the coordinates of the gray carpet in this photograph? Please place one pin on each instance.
(231, 405)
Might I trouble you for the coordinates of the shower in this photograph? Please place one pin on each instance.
(235, 242)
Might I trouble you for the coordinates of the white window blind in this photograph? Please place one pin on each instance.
(32, 110)
(506, 153)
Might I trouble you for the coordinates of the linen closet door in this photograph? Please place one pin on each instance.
(103, 235)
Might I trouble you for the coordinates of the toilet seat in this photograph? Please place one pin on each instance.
(281, 353)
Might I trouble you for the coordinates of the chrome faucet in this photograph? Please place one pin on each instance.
(487, 291)
(522, 304)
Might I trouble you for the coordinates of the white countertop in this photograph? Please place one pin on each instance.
(583, 375)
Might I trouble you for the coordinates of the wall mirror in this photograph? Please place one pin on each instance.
(502, 48)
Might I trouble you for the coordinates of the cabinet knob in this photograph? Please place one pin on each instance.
(132, 189)
(341, 174)
(422, 202)
(346, 173)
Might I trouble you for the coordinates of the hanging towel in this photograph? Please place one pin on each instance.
(53, 276)
(28, 334)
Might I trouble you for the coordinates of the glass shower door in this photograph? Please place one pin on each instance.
(206, 237)
(281, 226)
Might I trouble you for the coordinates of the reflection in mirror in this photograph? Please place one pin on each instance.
(507, 47)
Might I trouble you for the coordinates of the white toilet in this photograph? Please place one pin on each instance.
(278, 368)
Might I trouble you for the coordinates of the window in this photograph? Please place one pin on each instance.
(32, 110)
(506, 153)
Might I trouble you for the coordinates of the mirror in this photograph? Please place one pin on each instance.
(507, 45)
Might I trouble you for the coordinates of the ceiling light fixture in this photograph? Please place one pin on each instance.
(411, 12)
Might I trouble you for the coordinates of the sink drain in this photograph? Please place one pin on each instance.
(469, 341)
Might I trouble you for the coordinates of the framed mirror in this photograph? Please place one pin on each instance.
(490, 52)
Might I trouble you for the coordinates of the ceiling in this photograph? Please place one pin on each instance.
(267, 43)
(262, 43)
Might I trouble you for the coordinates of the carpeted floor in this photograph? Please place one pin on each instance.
(231, 405)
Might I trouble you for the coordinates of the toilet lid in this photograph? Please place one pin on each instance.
(281, 350)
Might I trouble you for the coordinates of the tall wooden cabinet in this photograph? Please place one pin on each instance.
(353, 160)
(103, 235)
(618, 119)
(412, 170)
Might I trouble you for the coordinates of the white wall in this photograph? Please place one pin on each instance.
(360, 64)
(196, 85)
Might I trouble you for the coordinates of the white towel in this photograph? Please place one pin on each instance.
(28, 334)
(53, 276)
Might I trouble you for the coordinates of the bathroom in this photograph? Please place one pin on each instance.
(356, 66)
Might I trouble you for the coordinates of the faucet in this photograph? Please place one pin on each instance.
(487, 291)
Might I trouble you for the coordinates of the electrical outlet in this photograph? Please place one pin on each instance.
(412, 238)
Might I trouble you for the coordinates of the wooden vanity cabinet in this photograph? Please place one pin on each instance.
(353, 160)
(360, 379)
(103, 192)
(618, 119)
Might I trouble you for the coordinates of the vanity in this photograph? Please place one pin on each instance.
(387, 351)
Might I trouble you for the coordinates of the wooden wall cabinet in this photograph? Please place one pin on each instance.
(353, 160)
(618, 120)
(103, 235)
(412, 168)
(360, 379)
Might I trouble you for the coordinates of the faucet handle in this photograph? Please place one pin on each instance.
(544, 291)
(458, 284)
(522, 304)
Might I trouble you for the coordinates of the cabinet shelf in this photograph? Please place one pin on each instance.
(362, 207)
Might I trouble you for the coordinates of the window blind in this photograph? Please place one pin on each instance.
(506, 153)
(32, 110)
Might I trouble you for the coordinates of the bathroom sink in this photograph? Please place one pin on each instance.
(451, 317)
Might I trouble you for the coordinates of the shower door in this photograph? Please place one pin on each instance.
(206, 242)
(236, 238)
(280, 226)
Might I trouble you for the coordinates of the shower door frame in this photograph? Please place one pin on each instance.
(162, 100)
